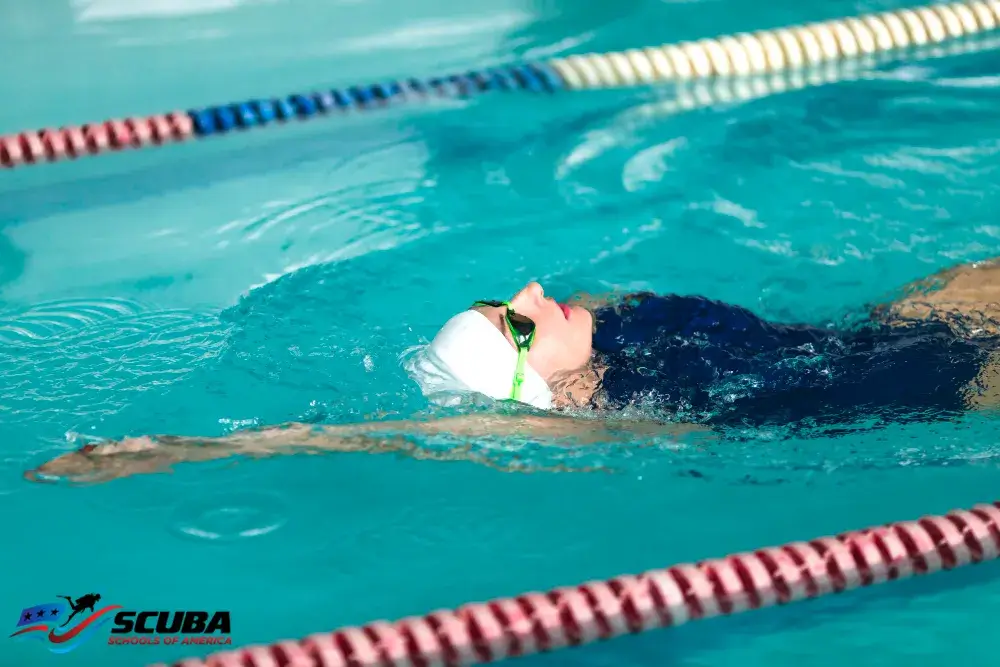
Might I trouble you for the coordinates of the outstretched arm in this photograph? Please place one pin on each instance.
(131, 456)
(594, 301)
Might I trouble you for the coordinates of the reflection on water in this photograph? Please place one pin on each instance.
(559, 27)
(114, 10)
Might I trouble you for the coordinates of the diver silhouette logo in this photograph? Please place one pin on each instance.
(41, 621)
(82, 603)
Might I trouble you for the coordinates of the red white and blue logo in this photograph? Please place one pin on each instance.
(65, 623)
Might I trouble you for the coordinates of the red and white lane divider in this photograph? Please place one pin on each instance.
(536, 622)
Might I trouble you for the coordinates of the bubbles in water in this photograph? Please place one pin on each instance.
(226, 517)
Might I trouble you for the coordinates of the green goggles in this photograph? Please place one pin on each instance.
(522, 331)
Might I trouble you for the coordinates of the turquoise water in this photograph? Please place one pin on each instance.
(277, 276)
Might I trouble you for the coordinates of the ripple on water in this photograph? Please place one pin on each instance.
(45, 321)
(363, 212)
(89, 358)
(228, 516)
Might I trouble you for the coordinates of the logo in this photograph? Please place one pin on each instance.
(66, 625)
(147, 627)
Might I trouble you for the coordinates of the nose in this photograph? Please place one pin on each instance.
(530, 294)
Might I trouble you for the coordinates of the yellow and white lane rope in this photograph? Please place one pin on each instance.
(774, 51)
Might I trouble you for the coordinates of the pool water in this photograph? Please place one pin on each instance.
(278, 276)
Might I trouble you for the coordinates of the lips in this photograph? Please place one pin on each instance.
(565, 309)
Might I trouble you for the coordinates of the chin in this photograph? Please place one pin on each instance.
(577, 312)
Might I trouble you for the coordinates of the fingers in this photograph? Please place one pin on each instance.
(38, 477)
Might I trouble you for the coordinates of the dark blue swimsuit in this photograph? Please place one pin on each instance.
(713, 363)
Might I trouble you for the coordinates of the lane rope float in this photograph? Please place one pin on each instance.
(746, 54)
(629, 604)
(701, 93)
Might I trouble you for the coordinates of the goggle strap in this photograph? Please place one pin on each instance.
(522, 360)
(522, 342)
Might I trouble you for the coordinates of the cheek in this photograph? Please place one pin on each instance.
(566, 344)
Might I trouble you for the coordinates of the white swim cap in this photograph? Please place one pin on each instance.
(470, 354)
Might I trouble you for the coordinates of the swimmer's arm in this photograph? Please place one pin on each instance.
(552, 428)
(547, 428)
(614, 298)
(593, 302)
(131, 456)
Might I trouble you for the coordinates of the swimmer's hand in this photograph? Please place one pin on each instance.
(130, 456)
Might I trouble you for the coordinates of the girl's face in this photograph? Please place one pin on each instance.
(563, 334)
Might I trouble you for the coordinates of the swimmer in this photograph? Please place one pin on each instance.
(687, 363)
